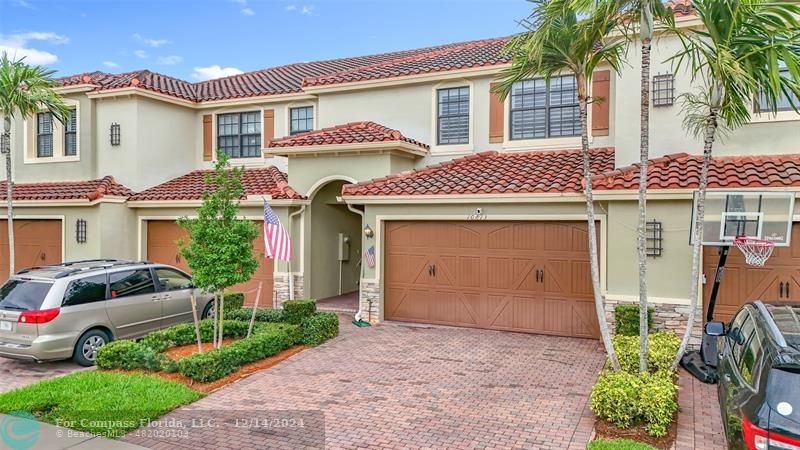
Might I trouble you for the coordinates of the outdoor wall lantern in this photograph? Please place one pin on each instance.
(80, 231)
(368, 232)
(115, 134)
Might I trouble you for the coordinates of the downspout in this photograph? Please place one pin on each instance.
(359, 314)
(291, 274)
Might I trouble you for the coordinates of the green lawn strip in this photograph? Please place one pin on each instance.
(617, 444)
(104, 403)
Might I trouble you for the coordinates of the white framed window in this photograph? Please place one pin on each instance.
(71, 134)
(44, 135)
(784, 111)
(46, 140)
(452, 115)
(239, 134)
(541, 109)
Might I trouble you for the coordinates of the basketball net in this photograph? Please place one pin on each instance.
(756, 251)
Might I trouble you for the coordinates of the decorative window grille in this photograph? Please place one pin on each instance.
(115, 134)
(664, 90)
(654, 232)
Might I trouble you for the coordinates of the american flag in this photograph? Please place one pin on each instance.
(277, 244)
(370, 256)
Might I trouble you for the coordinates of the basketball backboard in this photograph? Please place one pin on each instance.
(752, 214)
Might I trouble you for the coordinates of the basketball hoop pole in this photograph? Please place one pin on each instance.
(712, 299)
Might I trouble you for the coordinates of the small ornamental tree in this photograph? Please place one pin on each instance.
(219, 246)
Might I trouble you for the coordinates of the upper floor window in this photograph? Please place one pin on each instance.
(783, 103)
(452, 120)
(301, 119)
(542, 109)
(71, 134)
(44, 135)
(239, 134)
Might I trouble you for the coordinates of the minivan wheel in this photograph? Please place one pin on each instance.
(86, 349)
(208, 312)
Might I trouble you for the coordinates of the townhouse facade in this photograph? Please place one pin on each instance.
(472, 206)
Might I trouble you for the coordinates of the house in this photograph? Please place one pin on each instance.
(472, 205)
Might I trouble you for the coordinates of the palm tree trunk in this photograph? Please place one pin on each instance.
(9, 192)
(644, 156)
(590, 218)
(697, 237)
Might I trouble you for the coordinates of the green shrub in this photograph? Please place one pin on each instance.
(262, 315)
(233, 301)
(294, 311)
(661, 350)
(215, 364)
(617, 444)
(625, 399)
(319, 328)
(615, 397)
(658, 401)
(127, 355)
(627, 319)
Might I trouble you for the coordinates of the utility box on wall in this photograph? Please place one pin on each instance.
(344, 247)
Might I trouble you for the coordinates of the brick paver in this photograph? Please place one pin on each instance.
(699, 420)
(404, 386)
(15, 374)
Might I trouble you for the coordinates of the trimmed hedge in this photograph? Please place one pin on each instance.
(661, 349)
(319, 328)
(294, 311)
(625, 399)
(215, 364)
(262, 315)
(184, 334)
(233, 301)
(627, 319)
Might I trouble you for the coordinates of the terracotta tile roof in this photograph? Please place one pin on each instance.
(682, 171)
(292, 77)
(349, 133)
(257, 181)
(681, 8)
(548, 171)
(67, 190)
(487, 52)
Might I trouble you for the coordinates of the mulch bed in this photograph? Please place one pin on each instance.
(605, 430)
(243, 372)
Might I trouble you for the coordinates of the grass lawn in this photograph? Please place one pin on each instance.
(105, 403)
(617, 444)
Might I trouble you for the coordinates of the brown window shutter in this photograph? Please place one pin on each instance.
(601, 102)
(496, 125)
(208, 138)
(268, 130)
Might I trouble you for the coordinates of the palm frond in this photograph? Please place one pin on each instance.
(25, 90)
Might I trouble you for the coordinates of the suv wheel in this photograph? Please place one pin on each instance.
(86, 348)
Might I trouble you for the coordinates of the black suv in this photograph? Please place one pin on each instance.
(759, 386)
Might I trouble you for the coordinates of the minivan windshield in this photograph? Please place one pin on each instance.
(23, 295)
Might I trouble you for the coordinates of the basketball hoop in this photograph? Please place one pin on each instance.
(756, 251)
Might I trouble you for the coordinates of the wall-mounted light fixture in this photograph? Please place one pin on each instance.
(80, 231)
(368, 232)
(115, 134)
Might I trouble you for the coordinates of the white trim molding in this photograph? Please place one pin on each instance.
(451, 149)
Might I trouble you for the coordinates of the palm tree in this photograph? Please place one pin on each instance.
(562, 39)
(734, 59)
(24, 91)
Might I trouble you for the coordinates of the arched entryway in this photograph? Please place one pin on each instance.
(335, 244)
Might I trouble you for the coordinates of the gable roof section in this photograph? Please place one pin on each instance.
(257, 181)
(90, 190)
(682, 171)
(550, 171)
(349, 133)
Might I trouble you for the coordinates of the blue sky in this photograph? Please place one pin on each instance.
(198, 39)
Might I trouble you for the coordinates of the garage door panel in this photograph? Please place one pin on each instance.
(584, 320)
(37, 242)
(490, 278)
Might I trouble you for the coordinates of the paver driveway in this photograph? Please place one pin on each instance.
(15, 374)
(406, 386)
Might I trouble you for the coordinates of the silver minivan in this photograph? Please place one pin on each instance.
(69, 310)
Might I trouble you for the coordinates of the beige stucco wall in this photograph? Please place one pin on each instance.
(308, 173)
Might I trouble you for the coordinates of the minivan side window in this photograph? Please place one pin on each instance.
(131, 282)
(85, 290)
(172, 280)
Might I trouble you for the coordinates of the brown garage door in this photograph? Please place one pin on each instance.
(778, 280)
(162, 247)
(36, 242)
(519, 276)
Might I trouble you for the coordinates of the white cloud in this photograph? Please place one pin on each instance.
(248, 12)
(307, 10)
(215, 71)
(150, 42)
(17, 46)
(140, 54)
(291, 8)
(170, 60)
(111, 64)
(22, 3)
